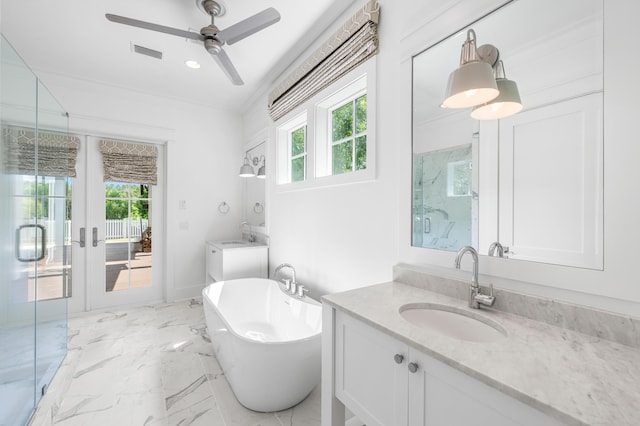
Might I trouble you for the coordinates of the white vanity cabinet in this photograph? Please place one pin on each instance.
(385, 382)
(227, 260)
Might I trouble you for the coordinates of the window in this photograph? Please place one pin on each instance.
(331, 140)
(459, 178)
(298, 139)
(292, 153)
(349, 136)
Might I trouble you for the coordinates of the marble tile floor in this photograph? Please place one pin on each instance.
(151, 365)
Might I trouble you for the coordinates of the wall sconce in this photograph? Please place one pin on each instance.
(261, 170)
(473, 82)
(506, 104)
(246, 170)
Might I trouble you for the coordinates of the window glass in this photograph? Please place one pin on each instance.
(299, 154)
(348, 134)
(361, 152)
(342, 120)
(361, 114)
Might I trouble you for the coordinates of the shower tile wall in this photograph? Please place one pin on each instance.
(151, 365)
(442, 198)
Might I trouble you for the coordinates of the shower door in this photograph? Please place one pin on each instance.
(34, 264)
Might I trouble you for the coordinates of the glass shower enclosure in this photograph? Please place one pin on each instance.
(34, 241)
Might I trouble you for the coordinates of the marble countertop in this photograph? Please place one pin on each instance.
(575, 378)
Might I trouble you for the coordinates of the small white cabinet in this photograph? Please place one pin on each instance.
(385, 382)
(226, 261)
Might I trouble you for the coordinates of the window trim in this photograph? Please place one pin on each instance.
(318, 141)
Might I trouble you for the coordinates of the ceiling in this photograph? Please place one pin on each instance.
(73, 38)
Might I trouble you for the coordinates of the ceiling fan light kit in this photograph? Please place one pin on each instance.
(212, 37)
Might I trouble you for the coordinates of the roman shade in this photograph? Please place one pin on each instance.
(56, 152)
(129, 162)
(347, 48)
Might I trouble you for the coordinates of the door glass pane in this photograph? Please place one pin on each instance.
(53, 271)
(127, 236)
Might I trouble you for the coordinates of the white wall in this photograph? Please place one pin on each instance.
(203, 148)
(338, 237)
(344, 237)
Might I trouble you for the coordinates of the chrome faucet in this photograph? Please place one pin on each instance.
(496, 245)
(289, 284)
(252, 235)
(476, 298)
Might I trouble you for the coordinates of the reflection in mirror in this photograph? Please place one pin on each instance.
(532, 181)
(443, 197)
(254, 187)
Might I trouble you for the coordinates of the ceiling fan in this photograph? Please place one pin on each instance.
(212, 36)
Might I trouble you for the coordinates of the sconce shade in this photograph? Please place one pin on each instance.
(261, 173)
(473, 83)
(246, 170)
(507, 103)
(470, 85)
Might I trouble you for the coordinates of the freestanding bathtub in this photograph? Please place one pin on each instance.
(267, 342)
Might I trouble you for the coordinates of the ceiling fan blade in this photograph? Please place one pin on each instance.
(154, 27)
(225, 63)
(249, 26)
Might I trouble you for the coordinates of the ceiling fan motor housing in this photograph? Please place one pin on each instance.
(212, 45)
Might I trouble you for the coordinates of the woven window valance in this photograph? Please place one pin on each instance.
(129, 162)
(56, 151)
(348, 47)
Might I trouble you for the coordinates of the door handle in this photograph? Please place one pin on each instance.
(94, 235)
(35, 257)
(82, 241)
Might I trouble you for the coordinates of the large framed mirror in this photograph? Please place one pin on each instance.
(532, 181)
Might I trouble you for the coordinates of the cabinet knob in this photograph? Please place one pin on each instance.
(213, 251)
(398, 358)
(413, 367)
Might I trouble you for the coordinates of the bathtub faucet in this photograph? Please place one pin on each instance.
(290, 285)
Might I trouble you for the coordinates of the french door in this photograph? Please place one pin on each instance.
(120, 228)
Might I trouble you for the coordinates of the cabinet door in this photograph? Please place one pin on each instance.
(441, 395)
(551, 192)
(368, 379)
(245, 262)
(214, 263)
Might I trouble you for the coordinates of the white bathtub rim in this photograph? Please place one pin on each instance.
(231, 330)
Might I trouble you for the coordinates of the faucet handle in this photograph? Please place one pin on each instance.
(301, 291)
(287, 283)
(485, 299)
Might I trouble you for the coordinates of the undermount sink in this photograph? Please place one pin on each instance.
(235, 242)
(453, 322)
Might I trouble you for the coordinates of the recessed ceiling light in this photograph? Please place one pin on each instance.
(192, 64)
